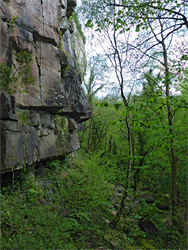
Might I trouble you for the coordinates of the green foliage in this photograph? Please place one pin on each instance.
(151, 168)
(150, 212)
(62, 210)
(74, 17)
(131, 13)
(13, 21)
(96, 72)
(73, 205)
(13, 79)
(155, 114)
(22, 117)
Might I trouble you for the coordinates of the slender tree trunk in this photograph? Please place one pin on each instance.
(174, 162)
(137, 172)
(127, 180)
(120, 77)
(90, 129)
(114, 148)
(129, 165)
(90, 133)
(110, 144)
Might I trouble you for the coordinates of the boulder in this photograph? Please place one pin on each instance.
(147, 226)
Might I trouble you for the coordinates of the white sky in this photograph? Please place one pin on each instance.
(93, 47)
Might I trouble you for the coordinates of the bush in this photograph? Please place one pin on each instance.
(62, 210)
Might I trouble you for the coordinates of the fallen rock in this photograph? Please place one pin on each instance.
(147, 226)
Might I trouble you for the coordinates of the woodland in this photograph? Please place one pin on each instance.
(126, 187)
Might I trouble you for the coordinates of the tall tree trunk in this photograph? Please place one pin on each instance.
(174, 162)
(141, 153)
(90, 133)
(110, 144)
(90, 129)
(120, 77)
(127, 180)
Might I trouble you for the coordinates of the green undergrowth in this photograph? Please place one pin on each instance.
(71, 207)
(62, 210)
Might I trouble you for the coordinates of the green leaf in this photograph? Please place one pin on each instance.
(138, 28)
(89, 24)
(117, 106)
(114, 123)
(147, 115)
(184, 57)
(104, 105)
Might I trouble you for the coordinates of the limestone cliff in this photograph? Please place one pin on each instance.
(40, 122)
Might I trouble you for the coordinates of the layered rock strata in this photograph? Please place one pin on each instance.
(40, 122)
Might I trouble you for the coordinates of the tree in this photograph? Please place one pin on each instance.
(94, 81)
(138, 13)
(156, 24)
(119, 61)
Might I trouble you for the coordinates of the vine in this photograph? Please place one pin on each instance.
(14, 79)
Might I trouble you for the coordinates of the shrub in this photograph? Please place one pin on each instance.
(62, 210)
(15, 79)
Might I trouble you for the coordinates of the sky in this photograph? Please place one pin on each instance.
(93, 47)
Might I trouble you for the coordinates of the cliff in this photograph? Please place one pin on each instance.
(40, 121)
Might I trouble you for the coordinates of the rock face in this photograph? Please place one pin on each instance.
(40, 122)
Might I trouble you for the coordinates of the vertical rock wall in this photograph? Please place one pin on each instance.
(40, 122)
